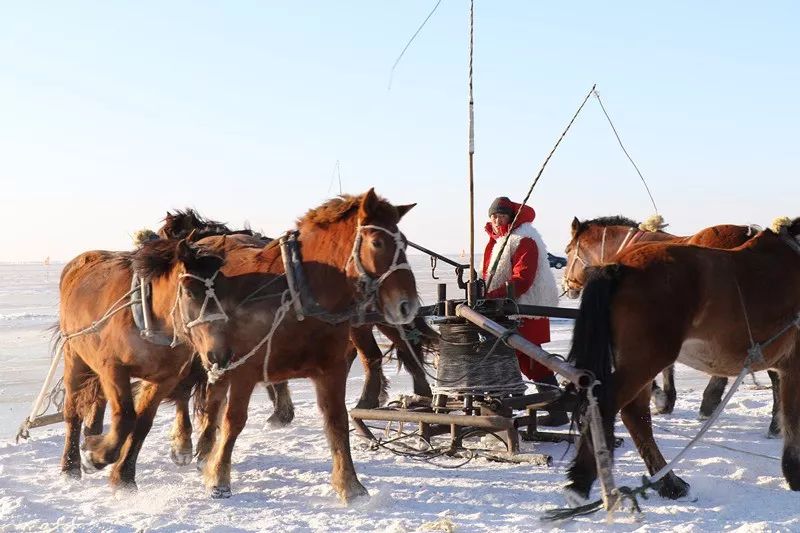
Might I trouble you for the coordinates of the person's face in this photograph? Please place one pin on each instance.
(499, 220)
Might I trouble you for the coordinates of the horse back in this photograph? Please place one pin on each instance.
(89, 284)
(725, 236)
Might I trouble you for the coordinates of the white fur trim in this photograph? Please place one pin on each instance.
(543, 290)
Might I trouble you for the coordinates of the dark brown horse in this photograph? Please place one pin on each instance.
(351, 251)
(103, 349)
(703, 307)
(599, 241)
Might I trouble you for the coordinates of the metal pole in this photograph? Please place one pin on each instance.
(472, 297)
(28, 423)
(580, 377)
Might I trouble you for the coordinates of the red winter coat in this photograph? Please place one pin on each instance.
(525, 260)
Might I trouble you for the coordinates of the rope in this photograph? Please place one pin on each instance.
(95, 326)
(536, 180)
(411, 40)
(599, 101)
(215, 372)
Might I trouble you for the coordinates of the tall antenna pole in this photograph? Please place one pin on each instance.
(472, 288)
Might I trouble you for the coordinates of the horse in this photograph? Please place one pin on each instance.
(421, 338)
(103, 349)
(704, 307)
(598, 241)
(352, 257)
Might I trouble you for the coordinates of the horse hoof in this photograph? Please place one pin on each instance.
(353, 493)
(674, 488)
(276, 421)
(366, 404)
(201, 464)
(181, 457)
(72, 474)
(702, 416)
(661, 401)
(774, 434)
(125, 488)
(575, 499)
(87, 465)
(220, 492)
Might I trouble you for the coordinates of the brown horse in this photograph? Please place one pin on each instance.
(704, 307)
(598, 241)
(103, 349)
(351, 254)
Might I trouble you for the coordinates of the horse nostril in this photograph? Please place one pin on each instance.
(405, 308)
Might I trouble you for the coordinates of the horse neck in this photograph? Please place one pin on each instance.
(326, 254)
(164, 290)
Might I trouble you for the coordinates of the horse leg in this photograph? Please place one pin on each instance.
(636, 417)
(790, 406)
(712, 396)
(209, 419)
(148, 398)
(75, 372)
(330, 387)
(181, 435)
(413, 365)
(375, 383)
(99, 451)
(775, 424)
(217, 471)
(93, 422)
(281, 398)
(664, 398)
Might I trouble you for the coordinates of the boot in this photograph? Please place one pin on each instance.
(552, 418)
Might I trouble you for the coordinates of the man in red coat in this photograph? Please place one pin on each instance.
(524, 263)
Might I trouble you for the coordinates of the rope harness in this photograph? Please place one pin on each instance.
(202, 317)
(630, 237)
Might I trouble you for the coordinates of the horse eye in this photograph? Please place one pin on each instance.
(377, 243)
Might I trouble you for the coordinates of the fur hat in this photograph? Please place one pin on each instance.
(142, 236)
(502, 205)
(653, 223)
(779, 223)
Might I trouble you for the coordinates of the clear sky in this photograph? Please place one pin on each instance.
(112, 113)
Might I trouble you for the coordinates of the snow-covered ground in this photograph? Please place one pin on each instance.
(281, 477)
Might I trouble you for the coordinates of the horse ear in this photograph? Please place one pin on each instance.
(403, 209)
(186, 253)
(576, 225)
(368, 203)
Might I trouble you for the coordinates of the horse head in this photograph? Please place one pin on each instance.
(378, 261)
(198, 314)
(594, 242)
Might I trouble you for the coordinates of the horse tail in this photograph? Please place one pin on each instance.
(592, 339)
(422, 338)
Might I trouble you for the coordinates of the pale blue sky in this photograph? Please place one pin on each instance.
(113, 113)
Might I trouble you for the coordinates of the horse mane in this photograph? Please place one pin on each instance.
(341, 207)
(155, 258)
(180, 223)
(615, 220)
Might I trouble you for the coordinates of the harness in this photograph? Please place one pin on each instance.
(367, 287)
(298, 295)
(631, 237)
(202, 317)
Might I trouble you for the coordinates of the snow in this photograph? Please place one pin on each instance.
(281, 476)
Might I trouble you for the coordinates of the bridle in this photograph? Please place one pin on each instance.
(567, 279)
(202, 317)
(367, 285)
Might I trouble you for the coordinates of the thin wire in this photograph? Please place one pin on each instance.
(599, 101)
(535, 181)
(397, 61)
